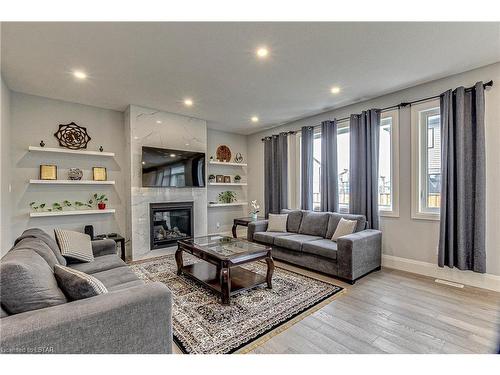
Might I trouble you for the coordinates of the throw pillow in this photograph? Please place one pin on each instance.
(344, 228)
(75, 245)
(77, 284)
(277, 223)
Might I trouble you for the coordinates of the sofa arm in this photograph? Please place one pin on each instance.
(256, 226)
(103, 247)
(359, 253)
(133, 320)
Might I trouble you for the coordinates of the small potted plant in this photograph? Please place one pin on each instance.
(227, 197)
(237, 178)
(100, 200)
(211, 178)
(81, 205)
(255, 209)
(37, 207)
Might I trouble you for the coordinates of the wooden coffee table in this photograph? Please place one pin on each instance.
(221, 271)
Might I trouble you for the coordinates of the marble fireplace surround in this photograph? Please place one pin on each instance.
(149, 127)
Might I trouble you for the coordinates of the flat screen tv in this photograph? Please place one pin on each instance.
(172, 168)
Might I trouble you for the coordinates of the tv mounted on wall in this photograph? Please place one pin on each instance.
(172, 168)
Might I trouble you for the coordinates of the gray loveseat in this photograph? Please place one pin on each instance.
(308, 243)
(131, 318)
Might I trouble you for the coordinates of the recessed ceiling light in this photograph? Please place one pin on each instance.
(158, 121)
(172, 155)
(143, 162)
(79, 74)
(262, 52)
(187, 144)
(335, 90)
(188, 102)
(255, 119)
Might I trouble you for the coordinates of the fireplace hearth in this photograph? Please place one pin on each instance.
(170, 222)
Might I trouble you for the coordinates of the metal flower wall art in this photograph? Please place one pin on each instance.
(72, 136)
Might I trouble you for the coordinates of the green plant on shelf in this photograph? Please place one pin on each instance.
(34, 206)
(79, 204)
(67, 203)
(227, 197)
(99, 198)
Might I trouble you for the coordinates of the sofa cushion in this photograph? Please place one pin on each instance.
(294, 241)
(314, 223)
(324, 247)
(116, 276)
(39, 247)
(49, 241)
(344, 228)
(102, 263)
(335, 218)
(277, 223)
(74, 245)
(76, 284)
(268, 237)
(27, 283)
(294, 219)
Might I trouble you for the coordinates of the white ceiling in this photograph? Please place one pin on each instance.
(157, 65)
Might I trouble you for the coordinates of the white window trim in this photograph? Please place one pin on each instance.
(394, 212)
(415, 161)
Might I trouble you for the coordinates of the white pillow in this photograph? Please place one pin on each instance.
(74, 245)
(277, 223)
(344, 228)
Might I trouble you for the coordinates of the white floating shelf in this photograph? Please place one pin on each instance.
(71, 182)
(228, 183)
(228, 163)
(73, 212)
(68, 151)
(227, 204)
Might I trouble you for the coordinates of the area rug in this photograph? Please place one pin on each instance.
(201, 325)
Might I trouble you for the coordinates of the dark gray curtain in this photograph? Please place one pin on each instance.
(462, 225)
(363, 173)
(306, 168)
(329, 175)
(276, 173)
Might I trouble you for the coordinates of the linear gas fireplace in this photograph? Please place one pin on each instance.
(170, 222)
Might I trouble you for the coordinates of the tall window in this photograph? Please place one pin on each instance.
(343, 165)
(388, 176)
(317, 171)
(426, 160)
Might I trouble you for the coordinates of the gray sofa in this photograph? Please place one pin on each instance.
(131, 318)
(308, 243)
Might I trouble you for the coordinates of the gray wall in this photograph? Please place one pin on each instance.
(5, 232)
(405, 237)
(35, 118)
(220, 219)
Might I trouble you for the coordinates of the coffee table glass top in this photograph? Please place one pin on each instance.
(224, 246)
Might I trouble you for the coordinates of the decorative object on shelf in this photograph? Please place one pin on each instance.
(56, 206)
(79, 204)
(227, 197)
(255, 209)
(211, 178)
(100, 200)
(42, 143)
(238, 158)
(101, 149)
(67, 203)
(227, 179)
(72, 136)
(223, 153)
(75, 174)
(219, 178)
(211, 158)
(99, 174)
(35, 207)
(48, 172)
(237, 178)
(89, 231)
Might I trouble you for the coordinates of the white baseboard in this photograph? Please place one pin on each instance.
(480, 280)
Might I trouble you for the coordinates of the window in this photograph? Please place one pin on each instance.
(317, 171)
(343, 148)
(426, 160)
(388, 176)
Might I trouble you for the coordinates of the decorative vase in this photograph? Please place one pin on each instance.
(75, 174)
(254, 216)
(101, 206)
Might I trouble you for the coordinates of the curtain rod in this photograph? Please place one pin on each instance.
(402, 104)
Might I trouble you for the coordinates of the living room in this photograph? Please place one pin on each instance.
(250, 187)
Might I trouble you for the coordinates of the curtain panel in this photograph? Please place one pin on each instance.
(463, 184)
(275, 173)
(306, 168)
(363, 173)
(329, 174)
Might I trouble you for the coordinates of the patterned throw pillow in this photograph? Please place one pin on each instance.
(344, 228)
(77, 284)
(277, 223)
(75, 245)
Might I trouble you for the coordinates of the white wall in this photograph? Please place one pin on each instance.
(404, 237)
(5, 232)
(35, 118)
(220, 219)
(149, 127)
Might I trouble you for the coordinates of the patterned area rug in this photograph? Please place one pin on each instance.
(201, 325)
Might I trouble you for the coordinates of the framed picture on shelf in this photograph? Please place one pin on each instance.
(227, 179)
(99, 174)
(219, 178)
(48, 172)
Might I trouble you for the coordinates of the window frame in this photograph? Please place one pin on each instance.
(394, 212)
(419, 152)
